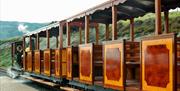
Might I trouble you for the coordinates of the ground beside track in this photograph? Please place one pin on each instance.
(9, 84)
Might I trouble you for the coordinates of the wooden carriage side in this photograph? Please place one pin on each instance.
(25, 61)
(57, 63)
(41, 61)
(64, 62)
(120, 57)
(60, 63)
(72, 62)
(38, 57)
(30, 61)
(178, 63)
(158, 63)
(49, 62)
(114, 65)
(89, 58)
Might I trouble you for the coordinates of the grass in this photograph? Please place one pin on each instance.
(5, 51)
(5, 58)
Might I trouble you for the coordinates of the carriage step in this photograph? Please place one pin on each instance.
(40, 81)
(68, 89)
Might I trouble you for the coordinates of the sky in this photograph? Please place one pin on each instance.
(43, 10)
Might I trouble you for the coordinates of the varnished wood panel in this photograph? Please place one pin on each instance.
(85, 63)
(158, 63)
(69, 63)
(37, 60)
(64, 62)
(42, 62)
(29, 61)
(90, 63)
(157, 57)
(57, 63)
(72, 62)
(47, 63)
(113, 65)
(25, 61)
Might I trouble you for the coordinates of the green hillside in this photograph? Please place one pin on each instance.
(143, 26)
(9, 29)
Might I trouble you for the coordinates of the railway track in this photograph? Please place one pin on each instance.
(3, 71)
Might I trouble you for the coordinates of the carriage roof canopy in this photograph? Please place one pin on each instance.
(126, 9)
(102, 13)
(42, 31)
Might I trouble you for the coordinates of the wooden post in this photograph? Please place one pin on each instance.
(97, 33)
(24, 42)
(107, 31)
(47, 36)
(114, 22)
(166, 19)
(37, 42)
(80, 34)
(68, 34)
(60, 35)
(132, 29)
(158, 17)
(86, 29)
(57, 41)
(12, 53)
(30, 42)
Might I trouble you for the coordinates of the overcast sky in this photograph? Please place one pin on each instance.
(43, 10)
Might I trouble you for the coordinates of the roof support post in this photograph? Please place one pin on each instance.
(114, 22)
(47, 36)
(37, 42)
(166, 19)
(86, 29)
(57, 41)
(107, 31)
(132, 29)
(97, 33)
(80, 34)
(158, 17)
(24, 43)
(12, 53)
(30, 42)
(68, 34)
(60, 35)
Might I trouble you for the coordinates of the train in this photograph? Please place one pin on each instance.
(151, 63)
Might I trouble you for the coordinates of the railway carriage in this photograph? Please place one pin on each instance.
(148, 64)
